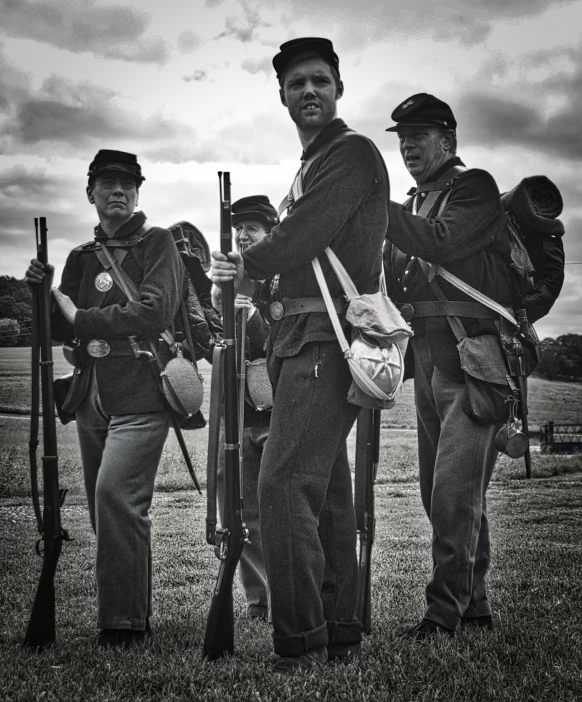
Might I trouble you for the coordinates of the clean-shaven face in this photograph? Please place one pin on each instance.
(248, 232)
(423, 150)
(115, 194)
(310, 93)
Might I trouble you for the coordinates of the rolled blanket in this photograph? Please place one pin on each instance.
(536, 203)
(198, 244)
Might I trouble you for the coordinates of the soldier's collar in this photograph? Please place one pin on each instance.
(326, 134)
(451, 163)
(126, 231)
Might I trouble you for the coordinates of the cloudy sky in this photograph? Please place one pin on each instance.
(188, 85)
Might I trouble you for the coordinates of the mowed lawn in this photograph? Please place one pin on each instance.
(534, 653)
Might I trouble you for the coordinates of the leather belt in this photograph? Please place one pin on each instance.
(99, 348)
(304, 305)
(453, 308)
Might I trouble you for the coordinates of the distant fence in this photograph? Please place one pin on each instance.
(560, 438)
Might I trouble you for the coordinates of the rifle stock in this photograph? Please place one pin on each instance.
(229, 539)
(41, 629)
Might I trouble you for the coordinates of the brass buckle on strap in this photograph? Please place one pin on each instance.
(277, 310)
(98, 348)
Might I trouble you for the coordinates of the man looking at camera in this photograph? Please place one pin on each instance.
(305, 493)
(121, 418)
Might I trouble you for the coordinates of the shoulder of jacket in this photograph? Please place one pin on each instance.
(153, 230)
(475, 173)
(89, 246)
(352, 139)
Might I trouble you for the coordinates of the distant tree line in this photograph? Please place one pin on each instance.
(561, 358)
(15, 312)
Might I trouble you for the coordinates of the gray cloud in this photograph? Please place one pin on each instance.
(110, 32)
(75, 113)
(466, 22)
(243, 27)
(80, 117)
(28, 193)
(255, 66)
(266, 139)
(199, 75)
(188, 41)
(517, 116)
(76, 119)
(573, 239)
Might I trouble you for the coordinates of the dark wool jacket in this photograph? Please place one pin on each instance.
(344, 206)
(469, 238)
(126, 384)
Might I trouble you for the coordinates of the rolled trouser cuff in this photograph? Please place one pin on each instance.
(344, 632)
(298, 644)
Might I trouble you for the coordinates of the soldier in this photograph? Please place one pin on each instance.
(305, 491)
(121, 419)
(454, 218)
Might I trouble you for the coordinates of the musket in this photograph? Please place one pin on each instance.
(366, 469)
(229, 539)
(41, 629)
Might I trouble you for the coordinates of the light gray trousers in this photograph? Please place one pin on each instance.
(120, 455)
(456, 459)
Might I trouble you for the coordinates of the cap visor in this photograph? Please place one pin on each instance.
(400, 125)
(257, 216)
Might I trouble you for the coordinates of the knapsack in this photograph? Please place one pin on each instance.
(535, 237)
(536, 262)
(204, 320)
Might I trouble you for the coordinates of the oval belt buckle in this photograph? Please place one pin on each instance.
(276, 309)
(98, 348)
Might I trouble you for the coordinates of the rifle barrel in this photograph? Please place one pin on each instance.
(41, 628)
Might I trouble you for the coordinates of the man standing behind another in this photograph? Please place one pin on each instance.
(305, 492)
(252, 219)
(455, 218)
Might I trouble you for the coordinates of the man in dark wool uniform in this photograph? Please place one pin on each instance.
(122, 423)
(454, 218)
(305, 492)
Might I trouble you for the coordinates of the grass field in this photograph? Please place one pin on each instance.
(534, 653)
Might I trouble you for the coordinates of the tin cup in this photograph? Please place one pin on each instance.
(511, 441)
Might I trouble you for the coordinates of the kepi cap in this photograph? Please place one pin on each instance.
(423, 110)
(295, 47)
(254, 207)
(108, 160)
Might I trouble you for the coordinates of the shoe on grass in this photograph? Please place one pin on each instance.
(120, 638)
(344, 652)
(310, 660)
(427, 629)
(484, 622)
